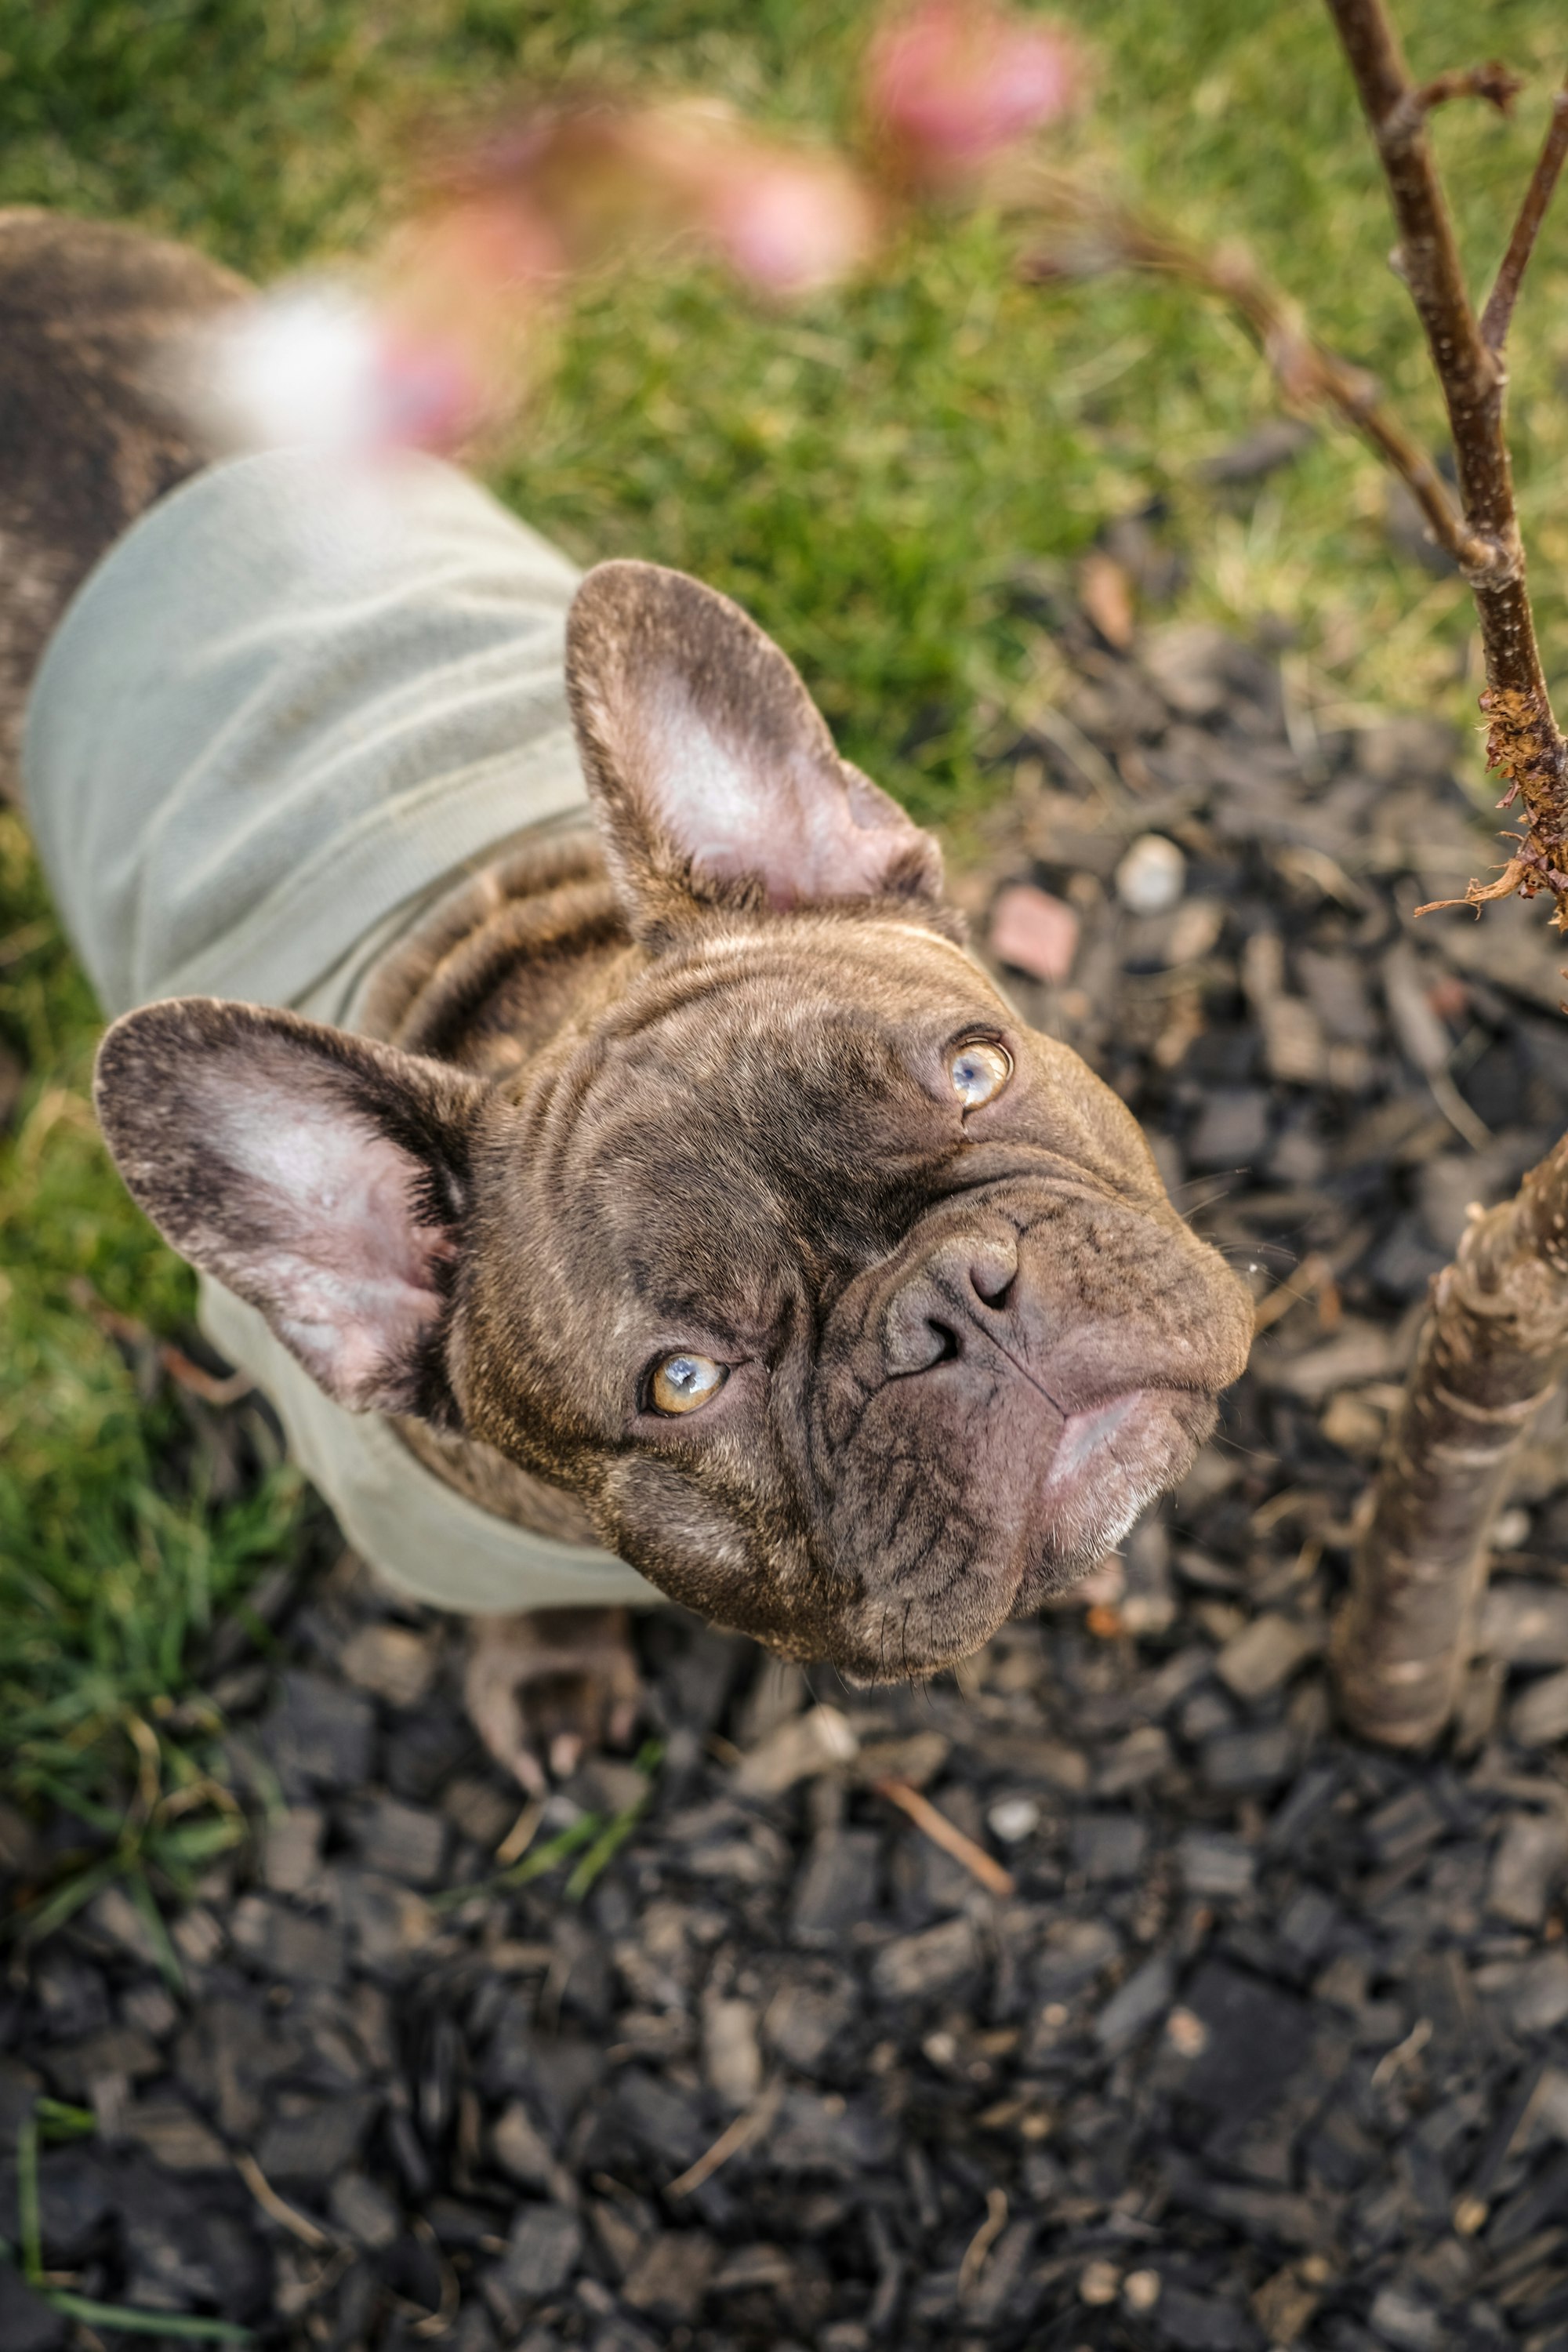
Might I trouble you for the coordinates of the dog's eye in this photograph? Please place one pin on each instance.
(682, 1384)
(979, 1073)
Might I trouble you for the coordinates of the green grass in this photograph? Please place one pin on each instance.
(866, 472)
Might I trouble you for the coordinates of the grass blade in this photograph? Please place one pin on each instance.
(147, 2323)
(164, 1951)
(29, 2216)
(605, 1848)
(41, 1919)
(615, 1833)
(56, 2120)
(534, 1863)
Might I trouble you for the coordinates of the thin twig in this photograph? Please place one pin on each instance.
(521, 1835)
(130, 1333)
(1308, 373)
(431, 2324)
(984, 2238)
(1494, 81)
(1498, 311)
(200, 1382)
(745, 2128)
(281, 2211)
(946, 1835)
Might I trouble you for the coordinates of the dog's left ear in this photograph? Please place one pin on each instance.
(320, 1176)
(714, 775)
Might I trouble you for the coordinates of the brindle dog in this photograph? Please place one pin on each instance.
(699, 1193)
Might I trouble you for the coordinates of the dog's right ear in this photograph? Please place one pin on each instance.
(322, 1177)
(713, 773)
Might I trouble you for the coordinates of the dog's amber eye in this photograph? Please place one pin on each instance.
(682, 1384)
(979, 1073)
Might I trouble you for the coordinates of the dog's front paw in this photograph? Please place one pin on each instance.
(542, 1690)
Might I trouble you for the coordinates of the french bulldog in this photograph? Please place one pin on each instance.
(698, 1194)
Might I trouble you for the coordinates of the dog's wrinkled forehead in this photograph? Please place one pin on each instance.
(805, 1065)
(765, 1111)
(764, 1115)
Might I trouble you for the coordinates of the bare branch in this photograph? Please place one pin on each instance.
(1522, 740)
(1308, 374)
(1493, 1345)
(1480, 894)
(1498, 311)
(1523, 744)
(1428, 253)
(1494, 81)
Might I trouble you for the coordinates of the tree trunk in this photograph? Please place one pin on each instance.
(1494, 1343)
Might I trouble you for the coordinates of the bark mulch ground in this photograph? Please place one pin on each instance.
(1266, 2043)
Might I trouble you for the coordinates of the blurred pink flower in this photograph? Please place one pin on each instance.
(430, 395)
(605, 179)
(459, 292)
(787, 224)
(437, 338)
(950, 84)
(313, 364)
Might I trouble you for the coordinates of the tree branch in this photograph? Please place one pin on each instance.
(1307, 371)
(1522, 740)
(1498, 311)
(1428, 251)
(1492, 1348)
(1494, 81)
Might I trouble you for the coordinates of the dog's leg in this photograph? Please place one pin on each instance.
(544, 1688)
(88, 439)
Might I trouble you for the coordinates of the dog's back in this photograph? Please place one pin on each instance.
(86, 441)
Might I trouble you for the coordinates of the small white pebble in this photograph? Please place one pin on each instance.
(1098, 2281)
(1511, 1529)
(1152, 877)
(1014, 1819)
(1141, 2290)
(1186, 2032)
(941, 2048)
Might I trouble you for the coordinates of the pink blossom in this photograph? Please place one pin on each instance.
(314, 365)
(787, 224)
(953, 83)
(438, 338)
(596, 181)
(429, 394)
(423, 350)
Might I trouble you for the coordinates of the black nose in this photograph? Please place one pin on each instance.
(933, 1315)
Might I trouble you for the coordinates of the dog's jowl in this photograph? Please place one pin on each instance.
(562, 1068)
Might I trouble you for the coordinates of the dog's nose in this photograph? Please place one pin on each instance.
(932, 1317)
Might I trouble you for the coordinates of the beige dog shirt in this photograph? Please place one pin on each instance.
(289, 710)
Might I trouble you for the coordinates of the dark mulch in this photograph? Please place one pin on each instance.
(1267, 2045)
